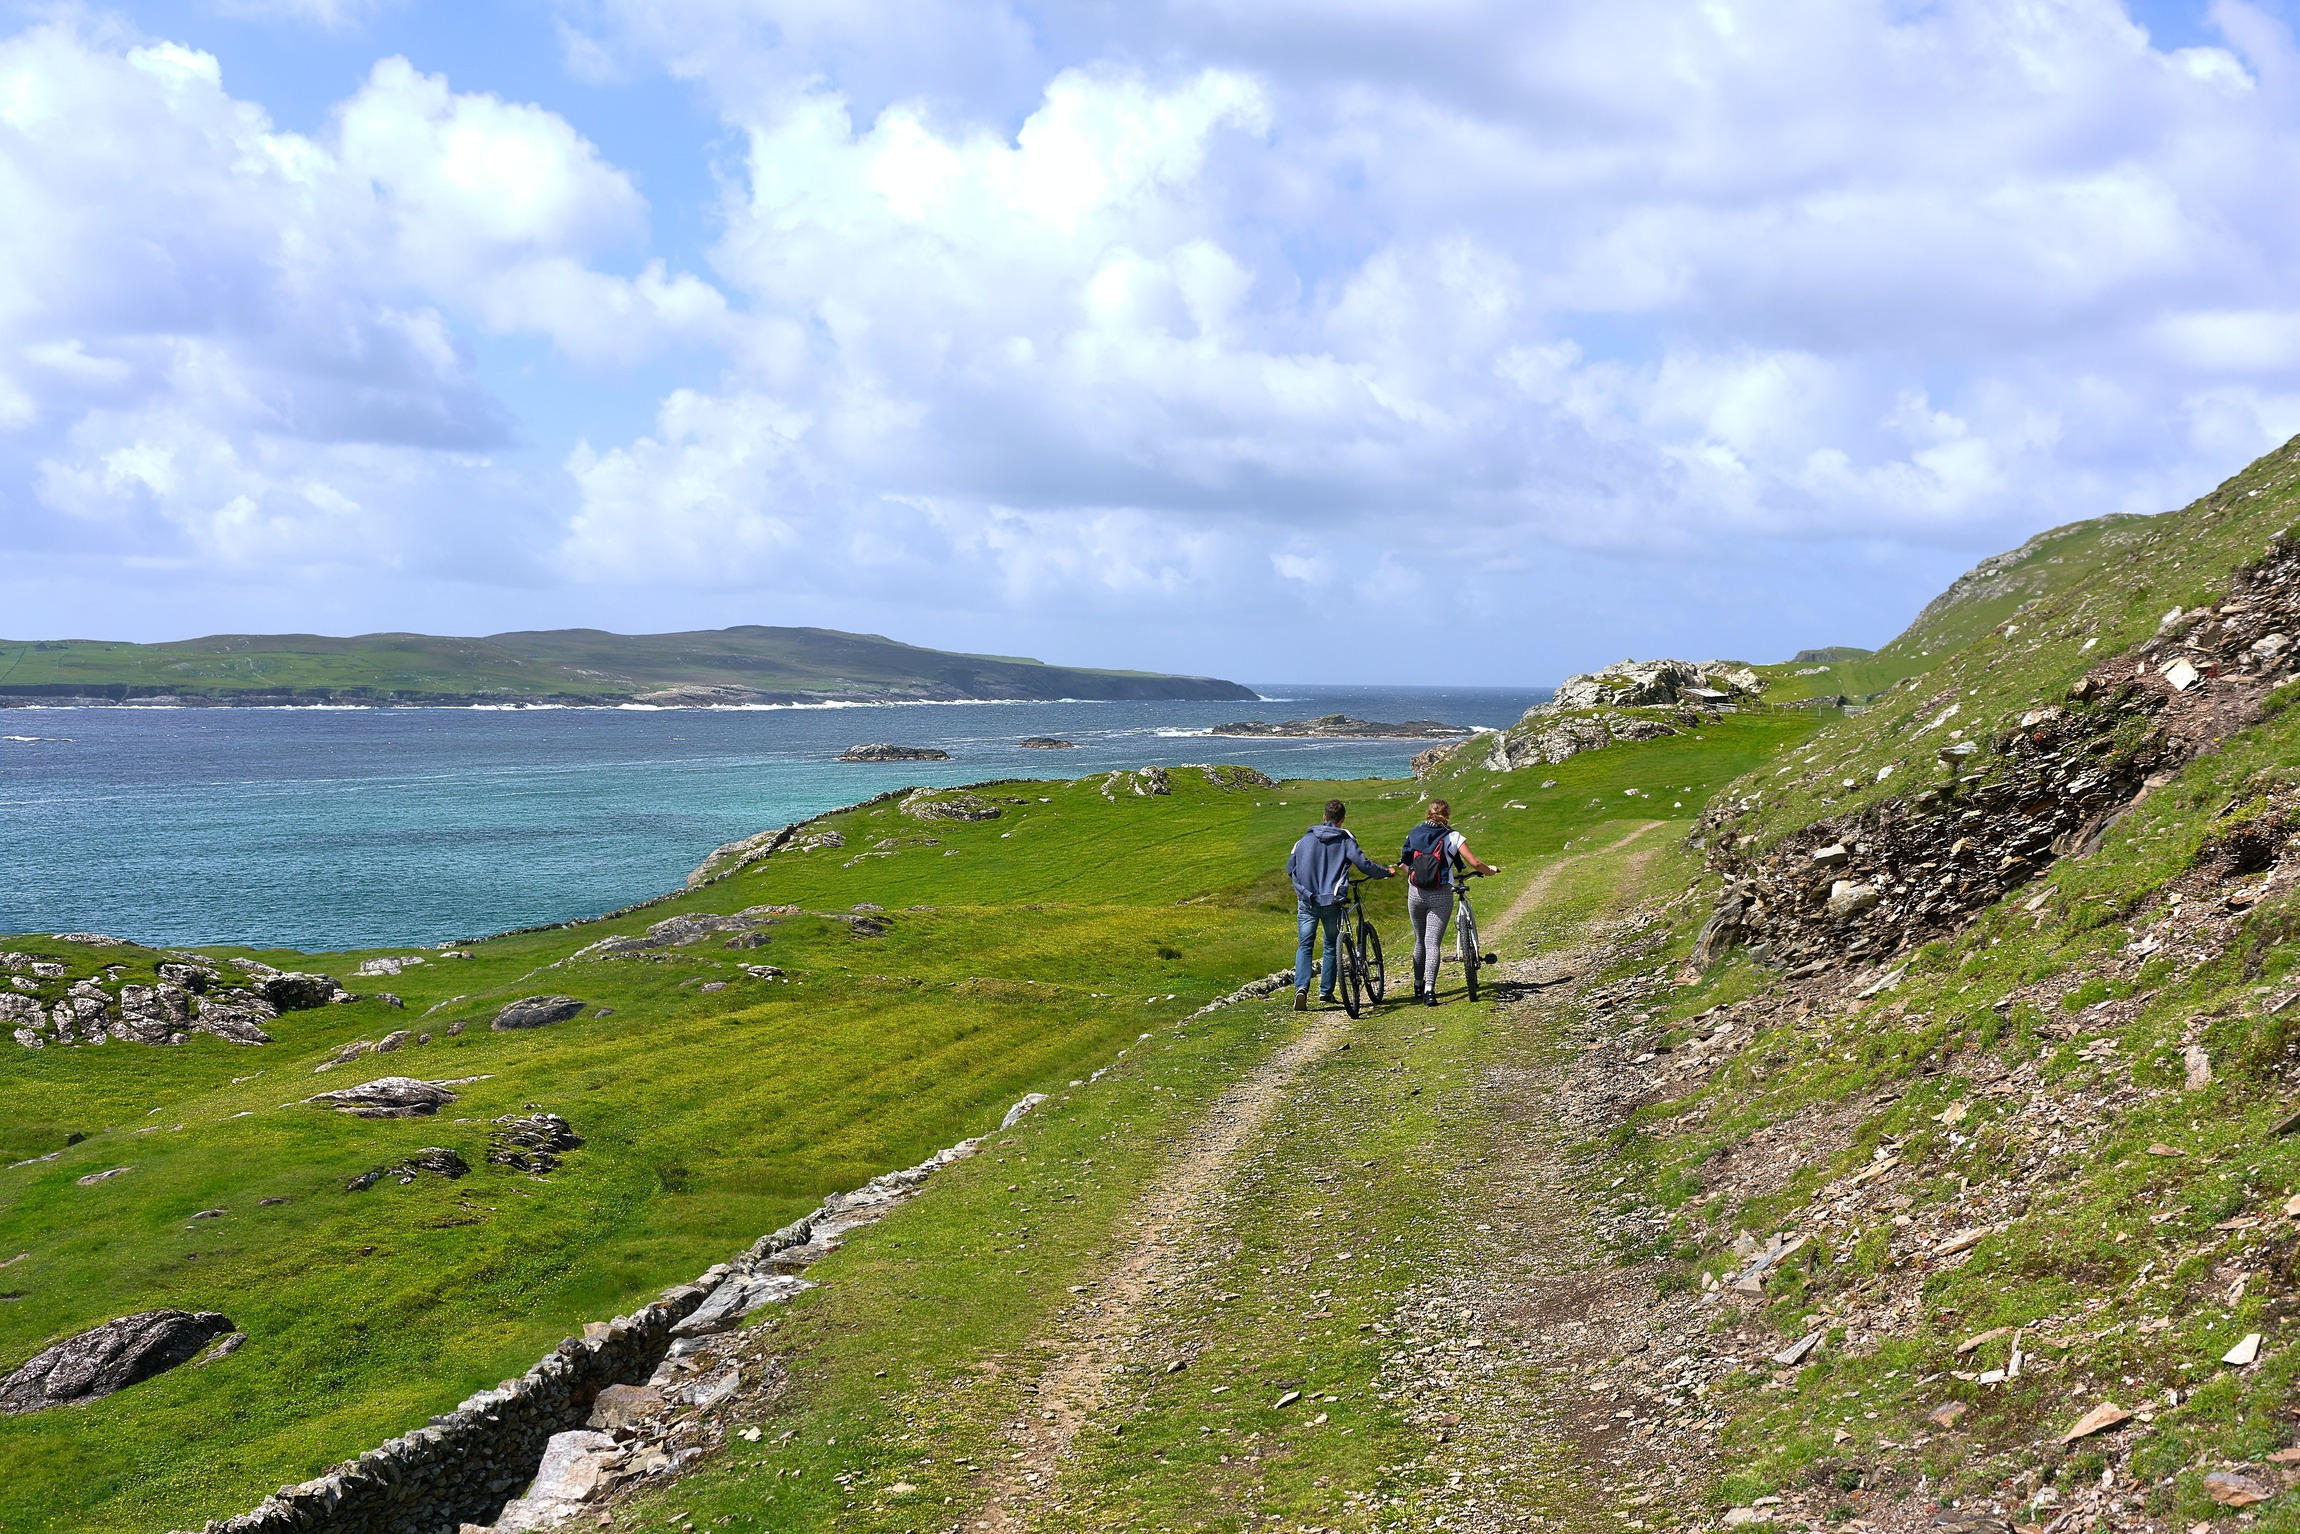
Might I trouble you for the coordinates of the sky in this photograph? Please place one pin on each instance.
(1413, 341)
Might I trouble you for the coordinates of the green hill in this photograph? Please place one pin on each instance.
(749, 664)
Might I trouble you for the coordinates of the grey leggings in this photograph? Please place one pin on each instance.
(1429, 910)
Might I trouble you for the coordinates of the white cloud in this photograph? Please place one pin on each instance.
(1613, 276)
(244, 344)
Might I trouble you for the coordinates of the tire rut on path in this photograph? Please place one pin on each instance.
(1074, 1383)
(1531, 895)
(1555, 1427)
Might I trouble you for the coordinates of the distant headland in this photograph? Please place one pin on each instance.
(749, 666)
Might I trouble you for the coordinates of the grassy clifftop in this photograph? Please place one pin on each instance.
(736, 665)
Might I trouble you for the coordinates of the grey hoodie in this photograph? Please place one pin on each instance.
(1322, 859)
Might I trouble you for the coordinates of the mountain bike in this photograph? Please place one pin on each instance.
(1363, 977)
(1465, 933)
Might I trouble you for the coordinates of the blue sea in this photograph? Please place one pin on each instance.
(323, 829)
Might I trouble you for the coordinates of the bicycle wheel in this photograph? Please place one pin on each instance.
(1465, 934)
(1352, 977)
(1370, 949)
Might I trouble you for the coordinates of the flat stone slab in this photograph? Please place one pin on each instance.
(535, 1012)
(388, 1097)
(110, 1358)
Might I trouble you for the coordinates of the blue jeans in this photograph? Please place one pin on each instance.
(1309, 916)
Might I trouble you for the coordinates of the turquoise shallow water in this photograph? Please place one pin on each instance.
(338, 828)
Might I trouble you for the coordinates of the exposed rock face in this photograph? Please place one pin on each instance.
(110, 1357)
(949, 804)
(1343, 727)
(886, 751)
(388, 1097)
(532, 1144)
(1047, 743)
(535, 1012)
(1871, 882)
(432, 1158)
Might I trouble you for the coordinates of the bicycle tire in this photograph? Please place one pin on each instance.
(1352, 968)
(1465, 934)
(1377, 974)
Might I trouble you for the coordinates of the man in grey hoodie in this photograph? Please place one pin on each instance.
(1320, 868)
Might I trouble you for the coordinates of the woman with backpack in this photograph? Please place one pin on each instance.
(1434, 851)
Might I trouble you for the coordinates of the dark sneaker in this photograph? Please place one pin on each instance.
(1325, 998)
(1430, 1000)
(1301, 1001)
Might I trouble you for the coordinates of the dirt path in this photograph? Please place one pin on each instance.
(1097, 1337)
(1531, 895)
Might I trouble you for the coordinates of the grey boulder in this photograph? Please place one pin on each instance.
(535, 1011)
(293, 992)
(110, 1357)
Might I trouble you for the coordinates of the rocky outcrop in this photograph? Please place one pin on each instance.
(532, 1144)
(887, 751)
(187, 996)
(390, 1097)
(948, 804)
(1047, 743)
(1550, 739)
(1343, 727)
(110, 1358)
(1230, 777)
(435, 1159)
(1143, 782)
(1631, 701)
(535, 1012)
(1867, 884)
(1653, 684)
